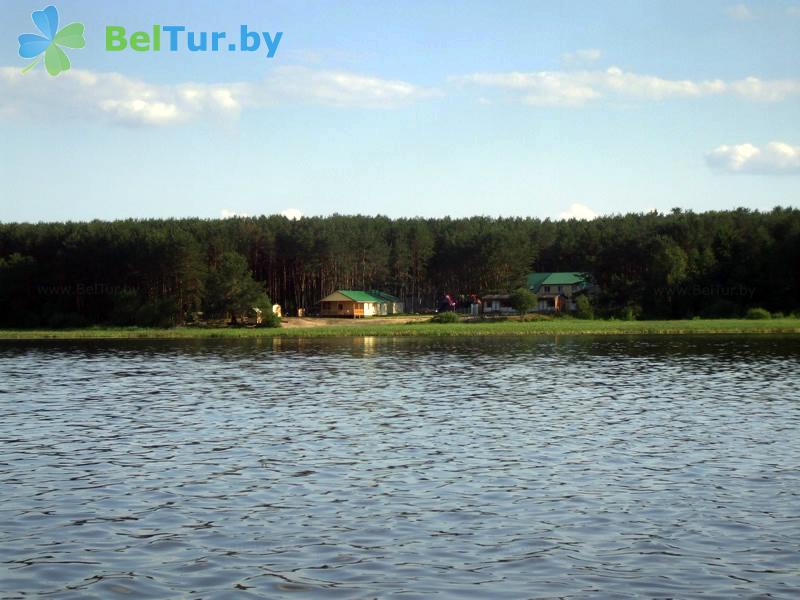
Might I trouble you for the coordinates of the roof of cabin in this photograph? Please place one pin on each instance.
(359, 296)
(383, 296)
(536, 280)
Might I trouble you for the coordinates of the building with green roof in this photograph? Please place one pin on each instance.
(557, 291)
(358, 303)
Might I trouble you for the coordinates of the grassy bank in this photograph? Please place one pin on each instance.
(507, 328)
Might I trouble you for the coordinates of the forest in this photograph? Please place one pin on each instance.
(169, 272)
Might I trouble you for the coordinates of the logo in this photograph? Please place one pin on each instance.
(179, 36)
(32, 45)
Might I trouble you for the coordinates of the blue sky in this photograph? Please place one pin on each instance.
(544, 109)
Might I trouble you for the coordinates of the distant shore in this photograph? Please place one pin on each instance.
(422, 327)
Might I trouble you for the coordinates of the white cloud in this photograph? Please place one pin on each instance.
(119, 99)
(578, 211)
(776, 158)
(756, 89)
(113, 97)
(539, 89)
(577, 88)
(589, 55)
(292, 214)
(341, 88)
(226, 213)
(740, 12)
(793, 11)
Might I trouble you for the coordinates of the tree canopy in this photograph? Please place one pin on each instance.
(231, 289)
(679, 264)
(522, 300)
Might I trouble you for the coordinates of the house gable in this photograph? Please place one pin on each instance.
(336, 296)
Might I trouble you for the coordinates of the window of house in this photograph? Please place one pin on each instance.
(547, 288)
(341, 307)
(560, 289)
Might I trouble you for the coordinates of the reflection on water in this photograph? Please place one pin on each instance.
(409, 468)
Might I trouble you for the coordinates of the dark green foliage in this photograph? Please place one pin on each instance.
(757, 313)
(583, 307)
(161, 272)
(125, 306)
(445, 317)
(231, 289)
(721, 309)
(57, 320)
(631, 312)
(18, 275)
(270, 319)
(158, 313)
(522, 300)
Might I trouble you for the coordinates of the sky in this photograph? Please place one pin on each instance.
(507, 108)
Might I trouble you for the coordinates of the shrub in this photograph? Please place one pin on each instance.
(269, 319)
(157, 313)
(777, 315)
(758, 313)
(631, 313)
(445, 317)
(584, 309)
(522, 300)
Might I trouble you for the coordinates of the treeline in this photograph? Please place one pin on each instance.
(162, 272)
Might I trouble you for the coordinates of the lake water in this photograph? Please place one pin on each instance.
(648, 467)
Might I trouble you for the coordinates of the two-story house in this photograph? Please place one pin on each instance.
(557, 291)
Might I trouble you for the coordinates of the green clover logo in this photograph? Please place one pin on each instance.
(32, 45)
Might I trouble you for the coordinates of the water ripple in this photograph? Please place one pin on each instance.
(494, 468)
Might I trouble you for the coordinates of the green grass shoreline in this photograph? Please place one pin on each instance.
(426, 329)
